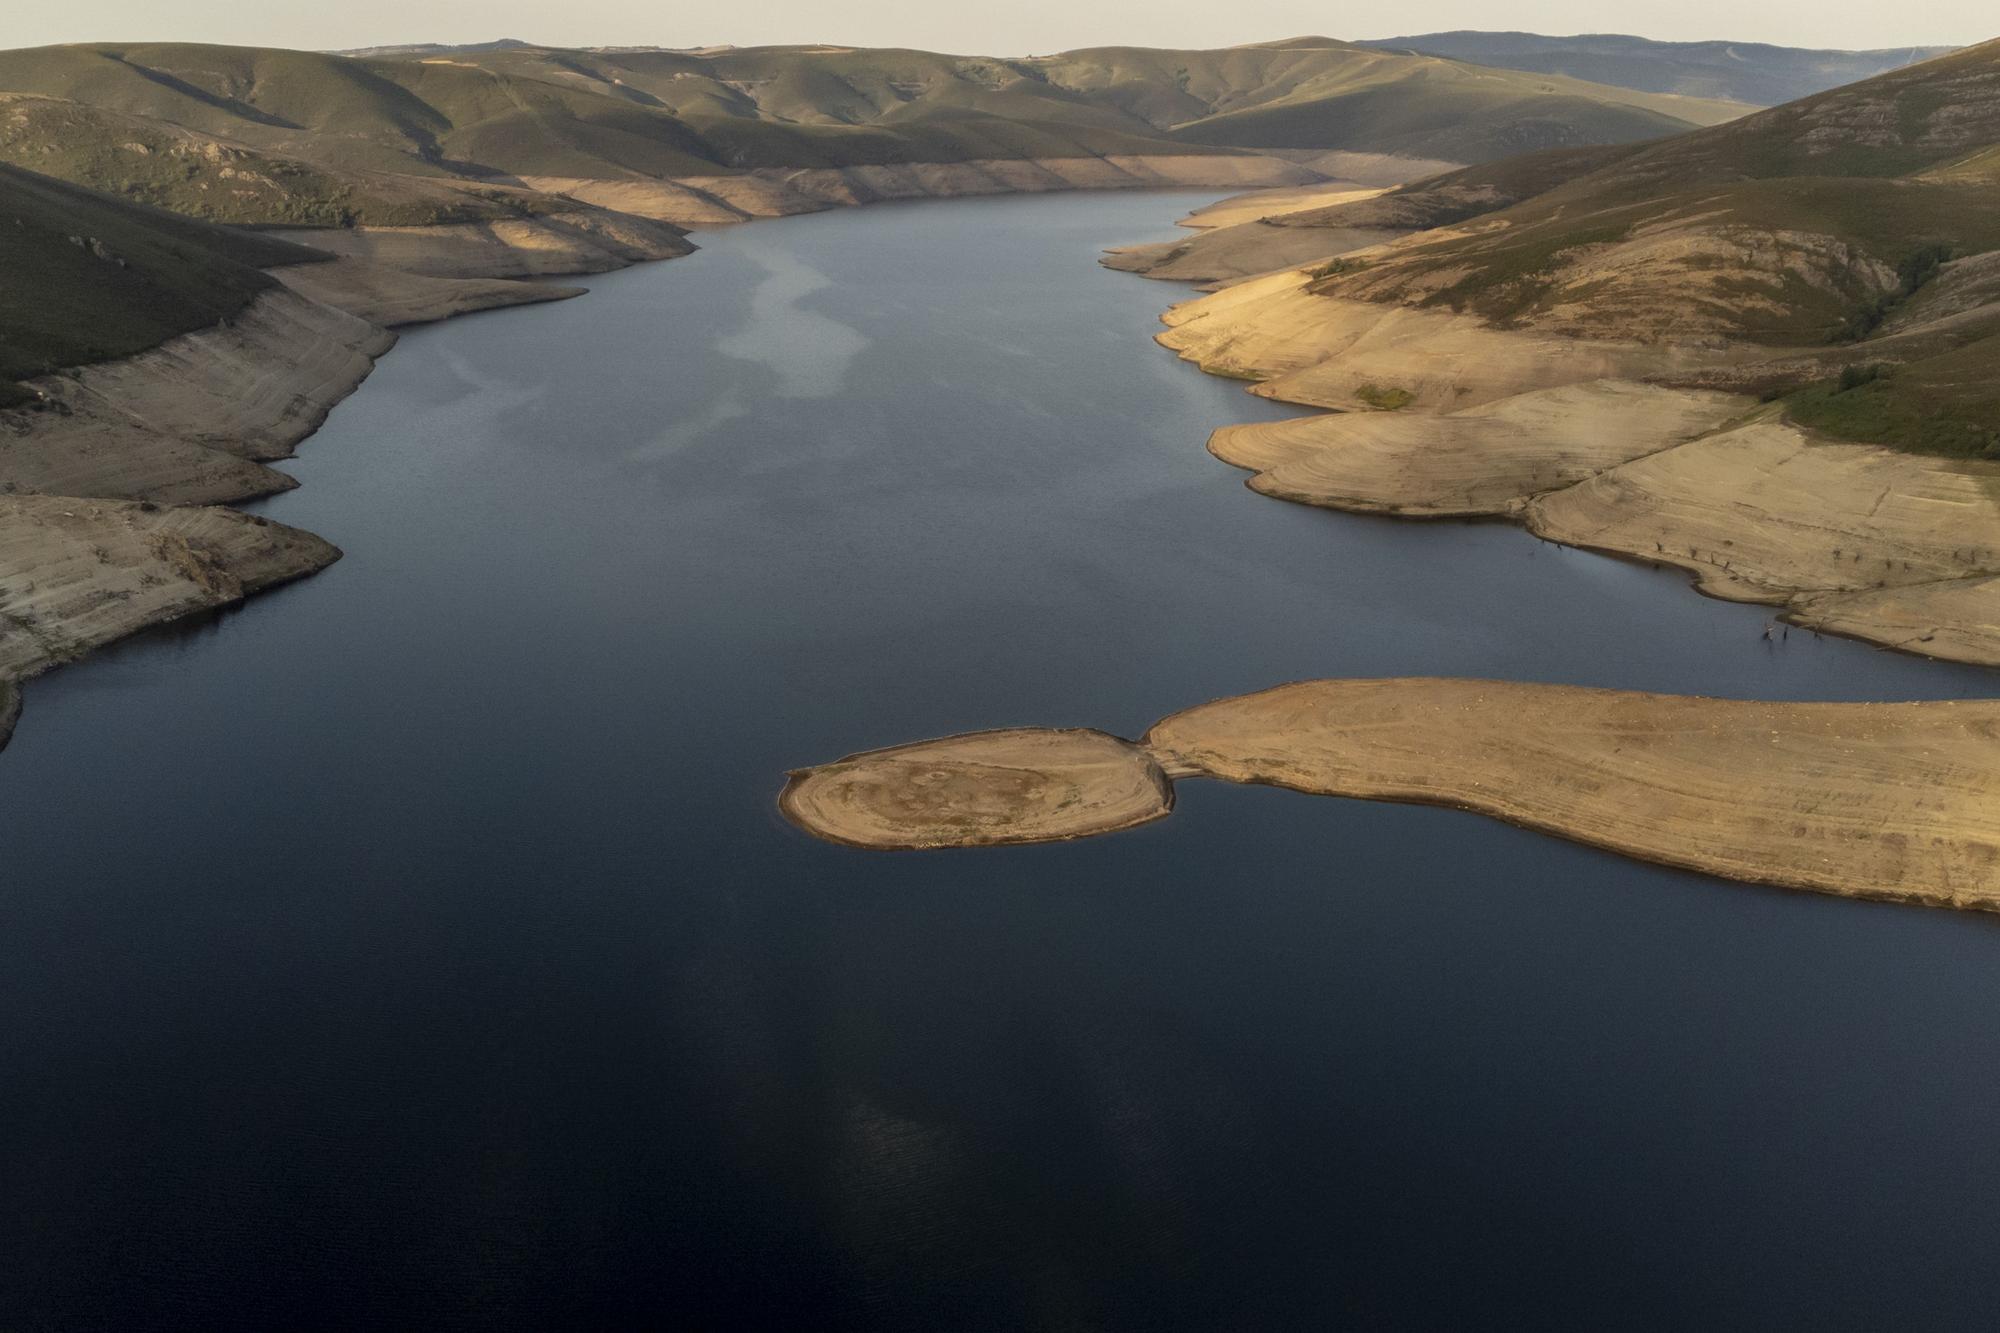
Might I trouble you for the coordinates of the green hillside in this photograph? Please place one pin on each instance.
(90, 278)
(1832, 223)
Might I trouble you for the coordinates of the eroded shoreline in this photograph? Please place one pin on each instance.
(1605, 446)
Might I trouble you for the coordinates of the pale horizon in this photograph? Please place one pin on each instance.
(1028, 27)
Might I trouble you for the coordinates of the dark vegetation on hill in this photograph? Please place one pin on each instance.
(1737, 71)
(89, 277)
(1858, 223)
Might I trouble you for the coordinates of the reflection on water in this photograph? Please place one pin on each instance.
(419, 946)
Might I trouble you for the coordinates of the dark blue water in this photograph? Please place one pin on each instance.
(419, 947)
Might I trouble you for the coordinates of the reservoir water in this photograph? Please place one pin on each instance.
(419, 946)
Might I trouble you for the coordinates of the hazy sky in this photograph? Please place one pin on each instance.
(1012, 27)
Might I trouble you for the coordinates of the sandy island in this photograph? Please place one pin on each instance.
(1873, 800)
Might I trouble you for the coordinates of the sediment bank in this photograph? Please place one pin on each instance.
(707, 201)
(1898, 801)
(1589, 443)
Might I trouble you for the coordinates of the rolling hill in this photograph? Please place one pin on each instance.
(303, 138)
(1736, 71)
(1307, 93)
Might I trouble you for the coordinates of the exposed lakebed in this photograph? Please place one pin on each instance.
(421, 942)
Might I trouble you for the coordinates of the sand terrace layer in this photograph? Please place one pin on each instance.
(707, 201)
(1871, 800)
(1485, 460)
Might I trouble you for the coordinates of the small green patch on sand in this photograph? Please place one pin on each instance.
(1390, 399)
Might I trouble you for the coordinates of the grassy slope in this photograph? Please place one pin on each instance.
(1738, 71)
(90, 277)
(1807, 225)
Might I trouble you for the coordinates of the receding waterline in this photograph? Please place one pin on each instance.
(422, 941)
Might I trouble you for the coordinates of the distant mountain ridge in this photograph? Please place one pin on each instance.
(1750, 72)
